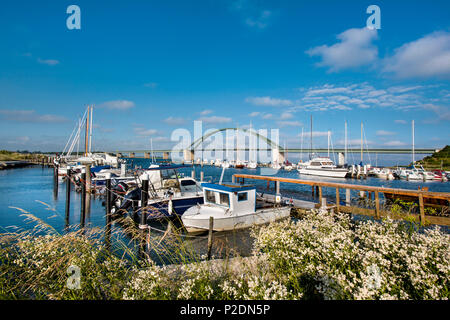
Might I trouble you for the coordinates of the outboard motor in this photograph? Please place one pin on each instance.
(127, 201)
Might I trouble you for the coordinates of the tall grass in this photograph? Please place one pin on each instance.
(318, 256)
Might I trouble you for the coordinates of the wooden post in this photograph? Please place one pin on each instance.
(68, 183)
(277, 187)
(83, 197)
(201, 176)
(320, 192)
(422, 209)
(337, 199)
(210, 238)
(144, 199)
(193, 174)
(88, 178)
(377, 205)
(108, 211)
(55, 182)
(347, 197)
(233, 179)
(312, 191)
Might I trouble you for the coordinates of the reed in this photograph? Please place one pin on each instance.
(317, 256)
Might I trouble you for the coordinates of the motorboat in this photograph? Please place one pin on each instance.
(409, 174)
(252, 165)
(232, 207)
(322, 166)
(225, 164)
(169, 193)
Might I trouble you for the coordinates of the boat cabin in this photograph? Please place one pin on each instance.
(237, 198)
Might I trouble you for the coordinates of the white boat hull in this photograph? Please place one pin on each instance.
(200, 222)
(324, 173)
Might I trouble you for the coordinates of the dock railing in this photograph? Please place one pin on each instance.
(377, 213)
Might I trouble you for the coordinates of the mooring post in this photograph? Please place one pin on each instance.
(55, 182)
(210, 236)
(201, 176)
(320, 191)
(377, 205)
(422, 209)
(88, 178)
(312, 191)
(68, 182)
(233, 179)
(347, 197)
(144, 200)
(83, 196)
(337, 199)
(108, 210)
(193, 174)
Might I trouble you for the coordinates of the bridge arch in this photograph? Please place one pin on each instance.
(269, 142)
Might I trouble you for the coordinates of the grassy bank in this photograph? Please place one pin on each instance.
(320, 256)
(11, 155)
(437, 161)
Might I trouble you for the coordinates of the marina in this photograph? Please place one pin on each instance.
(213, 150)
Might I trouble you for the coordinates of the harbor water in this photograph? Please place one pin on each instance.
(31, 190)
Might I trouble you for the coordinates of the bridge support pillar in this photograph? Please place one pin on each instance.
(188, 155)
(277, 156)
(341, 158)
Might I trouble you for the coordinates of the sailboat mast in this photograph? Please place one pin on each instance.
(328, 143)
(90, 129)
(361, 141)
(310, 150)
(86, 134)
(345, 142)
(413, 142)
(301, 147)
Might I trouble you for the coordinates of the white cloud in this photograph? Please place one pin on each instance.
(215, 119)
(151, 85)
(145, 132)
(29, 116)
(261, 21)
(254, 114)
(394, 143)
(206, 112)
(118, 104)
(286, 116)
(442, 113)
(400, 121)
(426, 57)
(385, 133)
(289, 123)
(354, 50)
(174, 120)
(49, 62)
(268, 101)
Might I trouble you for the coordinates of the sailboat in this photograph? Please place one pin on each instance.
(321, 166)
(94, 159)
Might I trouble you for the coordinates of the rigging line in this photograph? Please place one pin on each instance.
(367, 146)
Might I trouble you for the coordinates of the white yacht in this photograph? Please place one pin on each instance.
(322, 166)
(232, 206)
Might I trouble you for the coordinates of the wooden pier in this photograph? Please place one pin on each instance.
(317, 188)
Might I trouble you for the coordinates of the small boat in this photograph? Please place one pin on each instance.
(232, 206)
(322, 166)
(239, 165)
(288, 166)
(409, 174)
(440, 175)
(252, 165)
(225, 164)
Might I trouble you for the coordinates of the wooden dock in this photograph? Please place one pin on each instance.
(317, 188)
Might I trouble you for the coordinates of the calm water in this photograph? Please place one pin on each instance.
(32, 189)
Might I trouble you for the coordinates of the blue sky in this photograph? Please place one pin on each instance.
(150, 67)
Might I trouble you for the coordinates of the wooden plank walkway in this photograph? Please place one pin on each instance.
(377, 212)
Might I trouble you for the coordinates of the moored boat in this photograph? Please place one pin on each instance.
(232, 207)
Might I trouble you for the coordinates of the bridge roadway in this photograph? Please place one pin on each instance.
(293, 150)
